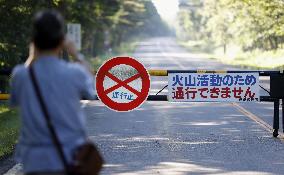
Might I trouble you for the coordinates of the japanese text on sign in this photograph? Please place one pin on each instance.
(230, 87)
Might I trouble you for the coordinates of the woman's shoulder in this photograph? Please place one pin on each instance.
(19, 70)
(77, 68)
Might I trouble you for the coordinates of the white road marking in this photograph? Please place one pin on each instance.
(257, 119)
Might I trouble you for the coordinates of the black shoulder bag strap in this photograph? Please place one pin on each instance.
(46, 115)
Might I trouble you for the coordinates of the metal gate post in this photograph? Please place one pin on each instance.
(283, 114)
(276, 118)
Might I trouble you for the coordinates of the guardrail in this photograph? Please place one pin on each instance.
(276, 92)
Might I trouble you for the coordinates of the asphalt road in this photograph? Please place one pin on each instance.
(185, 138)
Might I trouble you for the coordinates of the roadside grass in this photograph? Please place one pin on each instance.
(200, 47)
(9, 130)
(124, 49)
(257, 59)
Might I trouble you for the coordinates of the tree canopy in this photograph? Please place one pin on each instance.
(250, 24)
(105, 23)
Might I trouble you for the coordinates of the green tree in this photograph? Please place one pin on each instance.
(105, 23)
(250, 24)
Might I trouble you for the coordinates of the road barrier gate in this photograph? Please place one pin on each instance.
(276, 92)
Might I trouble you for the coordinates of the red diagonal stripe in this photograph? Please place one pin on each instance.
(122, 83)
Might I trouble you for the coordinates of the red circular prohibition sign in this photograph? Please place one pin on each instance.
(104, 71)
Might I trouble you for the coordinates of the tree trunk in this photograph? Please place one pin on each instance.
(270, 43)
(276, 42)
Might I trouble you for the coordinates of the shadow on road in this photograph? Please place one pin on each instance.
(187, 138)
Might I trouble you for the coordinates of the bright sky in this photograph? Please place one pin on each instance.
(167, 9)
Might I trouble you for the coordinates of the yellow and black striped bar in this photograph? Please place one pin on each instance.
(261, 73)
(158, 72)
(166, 72)
(4, 96)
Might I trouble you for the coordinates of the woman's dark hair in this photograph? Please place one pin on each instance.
(48, 30)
